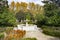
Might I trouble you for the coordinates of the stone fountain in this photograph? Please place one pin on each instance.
(26, 27)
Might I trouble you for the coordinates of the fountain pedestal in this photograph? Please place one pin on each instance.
(26, 24)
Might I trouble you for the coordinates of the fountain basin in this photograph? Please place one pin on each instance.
(28, 27)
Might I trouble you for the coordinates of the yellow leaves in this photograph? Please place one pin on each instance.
(17, 6)
(23, 4)
(12, 4)
(31, 7)
(32, 4)
(16, 34)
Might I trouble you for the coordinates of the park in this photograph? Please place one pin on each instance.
(29, 21)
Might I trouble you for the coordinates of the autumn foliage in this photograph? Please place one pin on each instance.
(15, 34)
(31, 7)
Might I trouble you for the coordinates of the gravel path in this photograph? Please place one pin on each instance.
(39, 35)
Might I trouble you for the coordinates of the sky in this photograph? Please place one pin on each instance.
(27, 1)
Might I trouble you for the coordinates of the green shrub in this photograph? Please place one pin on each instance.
(7, 18)
(5, 29)
(1, 35)
(40, 19)
(29, 39)
(30, 22)
(52, 31)
(52, 14)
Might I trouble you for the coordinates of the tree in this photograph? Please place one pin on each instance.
(39, 9)
(52, 14)
(29, 16)
(7, 18)
(20, 16)
(18, 6)
(12, 6)
(31, 7)
(24, 6)
(40, 19)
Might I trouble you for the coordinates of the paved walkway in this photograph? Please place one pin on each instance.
(39, 35)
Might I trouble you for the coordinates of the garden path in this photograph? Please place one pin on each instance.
(39, 35)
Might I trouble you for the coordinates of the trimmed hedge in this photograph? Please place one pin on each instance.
(29, 39)
(52, 31)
